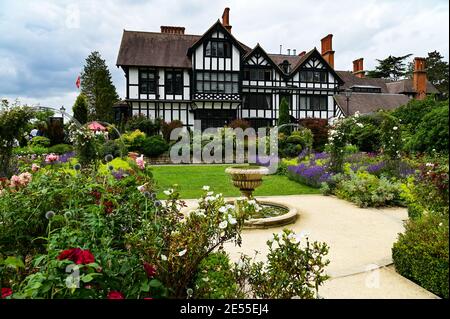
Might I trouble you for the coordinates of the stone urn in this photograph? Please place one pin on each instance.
(247, 178)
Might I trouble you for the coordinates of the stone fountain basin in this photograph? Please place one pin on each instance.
(269, 222)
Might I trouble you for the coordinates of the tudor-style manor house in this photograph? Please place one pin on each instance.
(215, 78)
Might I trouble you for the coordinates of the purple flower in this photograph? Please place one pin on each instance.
(376, 168)
(119, 174)
(66, 157)
(309, 174)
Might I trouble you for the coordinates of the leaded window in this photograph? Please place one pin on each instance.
(174, 82)
(217, 82)
(314, 102)
(147, 81)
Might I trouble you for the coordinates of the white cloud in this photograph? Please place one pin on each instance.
(44, 43)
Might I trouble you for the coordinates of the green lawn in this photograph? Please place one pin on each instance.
(191, 179)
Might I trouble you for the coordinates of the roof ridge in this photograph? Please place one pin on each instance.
(154, 32)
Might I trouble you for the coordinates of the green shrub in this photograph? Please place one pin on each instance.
(151, 146)
(421, 253)
(30, 150)
(215, 279)
(60, 148)
(412, 113)
(432, 132)
(40, 141)
(367, 190)
(129, 138)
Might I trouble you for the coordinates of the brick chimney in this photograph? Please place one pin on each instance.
(327, 49)
(226, 19)
(172, 30)
(358, 68)
(420, 78)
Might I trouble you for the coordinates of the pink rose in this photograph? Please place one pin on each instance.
(35, 168)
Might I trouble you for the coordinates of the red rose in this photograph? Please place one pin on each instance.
(71, 254)
(150, 270)
(85, 257)
(77, 255)
(115, 295)
(6, 292)
(148, 298)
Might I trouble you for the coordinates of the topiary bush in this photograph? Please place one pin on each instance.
(215, 279)
(153, 146)
(421, 253)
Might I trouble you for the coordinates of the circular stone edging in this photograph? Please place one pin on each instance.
(276, 221)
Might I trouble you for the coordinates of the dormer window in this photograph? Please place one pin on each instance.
(365, 89)
(220, 49)
(285, 66)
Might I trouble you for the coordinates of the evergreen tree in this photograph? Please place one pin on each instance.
(284, 116)
(437, 72)
(97, 86)
(80, 109)
(392, 68)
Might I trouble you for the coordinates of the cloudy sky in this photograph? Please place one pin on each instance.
(43, 43)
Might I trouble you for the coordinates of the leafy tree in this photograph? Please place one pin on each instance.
(392, 68)
(437, 72)
(284, 117)
(97, 86)
(80, 109)
(13, 124)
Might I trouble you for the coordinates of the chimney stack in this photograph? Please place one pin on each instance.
(294, 51)
(226, 19)
(302, 53)
(420, 78)
(358, 68)
(289, 51)
(172, 30)
(327, 49)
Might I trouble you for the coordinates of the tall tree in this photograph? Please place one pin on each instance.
(284, 117)
(80, 109)
(97, 86)
(437, 72)
(392, 68)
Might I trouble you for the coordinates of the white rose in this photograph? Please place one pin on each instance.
(182, 253)
(223, 224)
(205, 188)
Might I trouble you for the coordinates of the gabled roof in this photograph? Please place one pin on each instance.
(219, 26)
(155, 49)
(267, 56)
(406, 86)
(367, 103)
(316, 54)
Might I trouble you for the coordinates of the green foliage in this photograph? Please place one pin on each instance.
(215, 279)
(367, 190)
(112, 147)
(421, 253)
(85, 144)
(392, 68)
(13, 124)
(60, 149)
(292, 145)
(40, 141)
(412, 113)
(30, 150)
(55, 132)
(284, 117)
(80, 109)
(432, 132)
(143, 124)
(294, 269)
(153, 146)
(97, 87)
(166, 128)
(391, 137)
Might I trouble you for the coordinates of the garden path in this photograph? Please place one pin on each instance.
(360, 240)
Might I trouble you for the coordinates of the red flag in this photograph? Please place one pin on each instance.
(78, 82)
